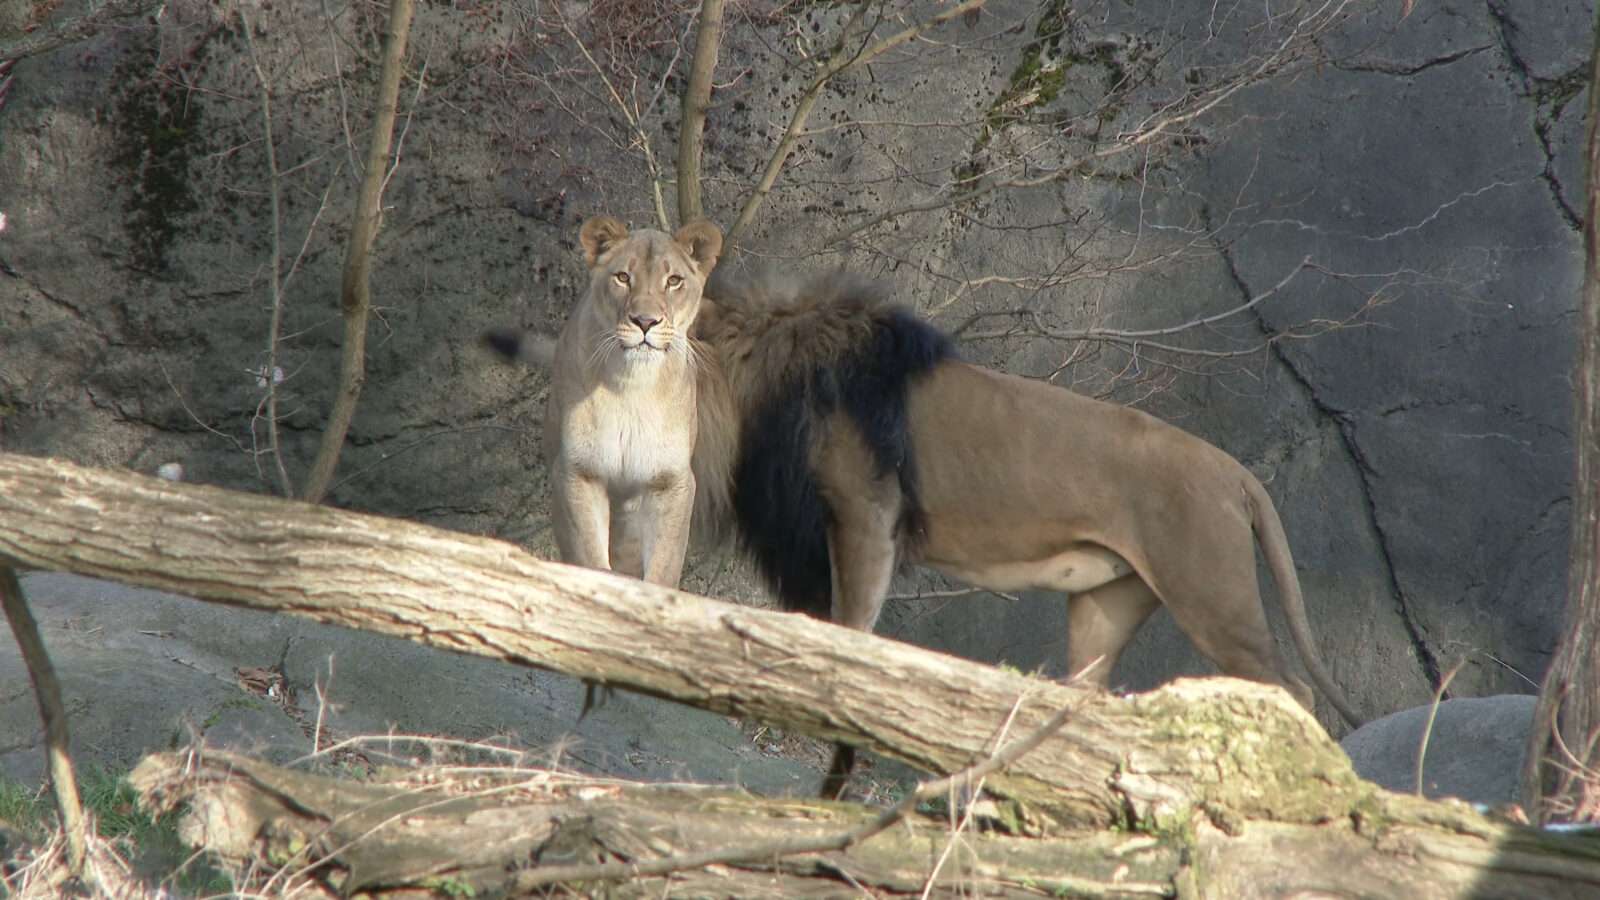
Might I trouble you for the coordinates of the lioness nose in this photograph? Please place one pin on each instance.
(644, 322)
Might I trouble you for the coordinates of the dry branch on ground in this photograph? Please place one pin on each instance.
(505, 834)
(1235, 786)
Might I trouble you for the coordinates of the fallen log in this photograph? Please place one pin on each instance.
(474, 595)
(501, 835)
(525, 832)
(1235, 784)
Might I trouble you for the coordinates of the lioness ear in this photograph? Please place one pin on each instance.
(598, 235)
(703, 240)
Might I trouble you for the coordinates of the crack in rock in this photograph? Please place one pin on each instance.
(1426, 659)
(1550, 97)
(1386, 67)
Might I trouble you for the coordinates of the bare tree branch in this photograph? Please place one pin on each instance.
(355, 289)
(275, 191)
(846, 56)
(696, 100)
(1158, 125)
(844, 840)
(47, 691)
(635, 121)
(53, 34)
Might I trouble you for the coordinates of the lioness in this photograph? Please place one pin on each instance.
(864, 443)
(620, 426)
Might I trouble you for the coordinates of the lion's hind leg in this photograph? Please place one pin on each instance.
(1226, 622)
(1100, 623)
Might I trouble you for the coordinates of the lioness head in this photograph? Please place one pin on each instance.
(645, 286)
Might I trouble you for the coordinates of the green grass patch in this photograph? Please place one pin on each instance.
(151, 846)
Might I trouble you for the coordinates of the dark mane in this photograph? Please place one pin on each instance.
(792, 355)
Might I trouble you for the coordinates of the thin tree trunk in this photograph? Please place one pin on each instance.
(47, 692)
(355, 299)
(1561, 774)
(696, 101)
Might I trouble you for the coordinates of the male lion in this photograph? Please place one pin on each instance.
(864, 443)
(620, 426)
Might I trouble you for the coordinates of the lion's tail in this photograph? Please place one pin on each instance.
(534, 350)
(1275, 547)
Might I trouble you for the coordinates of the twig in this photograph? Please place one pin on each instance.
(1157, 126)
(47, 691)
(270, 376)
(388, 455)
(355, 292)
(1128, 337)
(344, 100)
(305, 245)
(405, 127)
(545, 875)
(53, 34)
(195, 417)
(1433, 712)
(951, 594)
(628, 113)
(845, 57)
(973, 794)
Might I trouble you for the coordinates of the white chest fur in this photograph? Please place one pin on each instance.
(629, 438)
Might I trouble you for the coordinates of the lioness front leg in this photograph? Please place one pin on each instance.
(582, 519)
(628, 537)
(664, 515)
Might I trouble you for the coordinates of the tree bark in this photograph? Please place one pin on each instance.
(469, 834)
(355, 294)
(503, 835)
(696, 101)
(1561, 772)
(52, 712)
(1239, 784)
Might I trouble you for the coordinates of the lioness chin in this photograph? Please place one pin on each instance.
(862, 444)
(619, 431)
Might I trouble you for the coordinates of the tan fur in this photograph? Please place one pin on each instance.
(1024, 485)
(620, 428)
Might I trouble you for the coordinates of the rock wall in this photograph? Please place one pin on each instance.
(1402, 204)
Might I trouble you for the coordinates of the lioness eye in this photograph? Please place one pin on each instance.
(621, 277)
(674, 281)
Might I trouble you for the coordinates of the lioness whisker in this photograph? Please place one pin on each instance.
(602, 350)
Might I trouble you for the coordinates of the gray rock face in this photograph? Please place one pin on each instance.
(1419, 454)
(1475, 748)
(1403, 210)
(143, 671)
